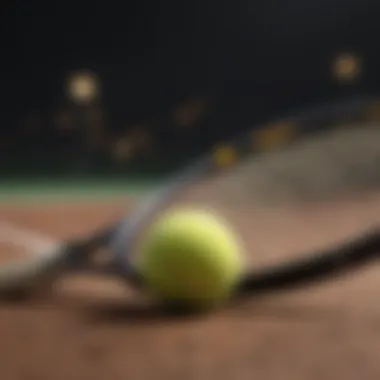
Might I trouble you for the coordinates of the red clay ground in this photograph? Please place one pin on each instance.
(96, 329)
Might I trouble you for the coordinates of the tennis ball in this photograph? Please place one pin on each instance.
(190, 260)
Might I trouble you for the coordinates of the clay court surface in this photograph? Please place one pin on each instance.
(93, 328)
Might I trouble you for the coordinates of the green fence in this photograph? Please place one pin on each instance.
(39, 178)
(95, 167)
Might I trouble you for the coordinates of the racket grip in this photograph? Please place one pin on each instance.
(23, 279)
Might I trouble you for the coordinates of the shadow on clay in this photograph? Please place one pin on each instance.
(286, 311)
(137, 313)
(119, 312)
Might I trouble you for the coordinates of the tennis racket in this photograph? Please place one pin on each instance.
(278, 182)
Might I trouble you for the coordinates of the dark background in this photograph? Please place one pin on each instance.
(232, 63)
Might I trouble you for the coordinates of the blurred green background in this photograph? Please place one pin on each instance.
(115, 98)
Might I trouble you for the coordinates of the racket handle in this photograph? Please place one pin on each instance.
(29, 276)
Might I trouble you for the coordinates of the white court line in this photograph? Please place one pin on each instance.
(32, 241)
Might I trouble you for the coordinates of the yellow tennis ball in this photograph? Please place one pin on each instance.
(191, 259)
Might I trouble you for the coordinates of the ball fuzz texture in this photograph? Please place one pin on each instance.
(191, 260)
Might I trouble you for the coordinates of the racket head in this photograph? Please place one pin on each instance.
(283, 151)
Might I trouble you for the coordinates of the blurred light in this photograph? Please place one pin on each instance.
(274, 135)
(225, 156)
(83, 87)
(346, 67)
(189, 113)
(123, 150)
(372, 112)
